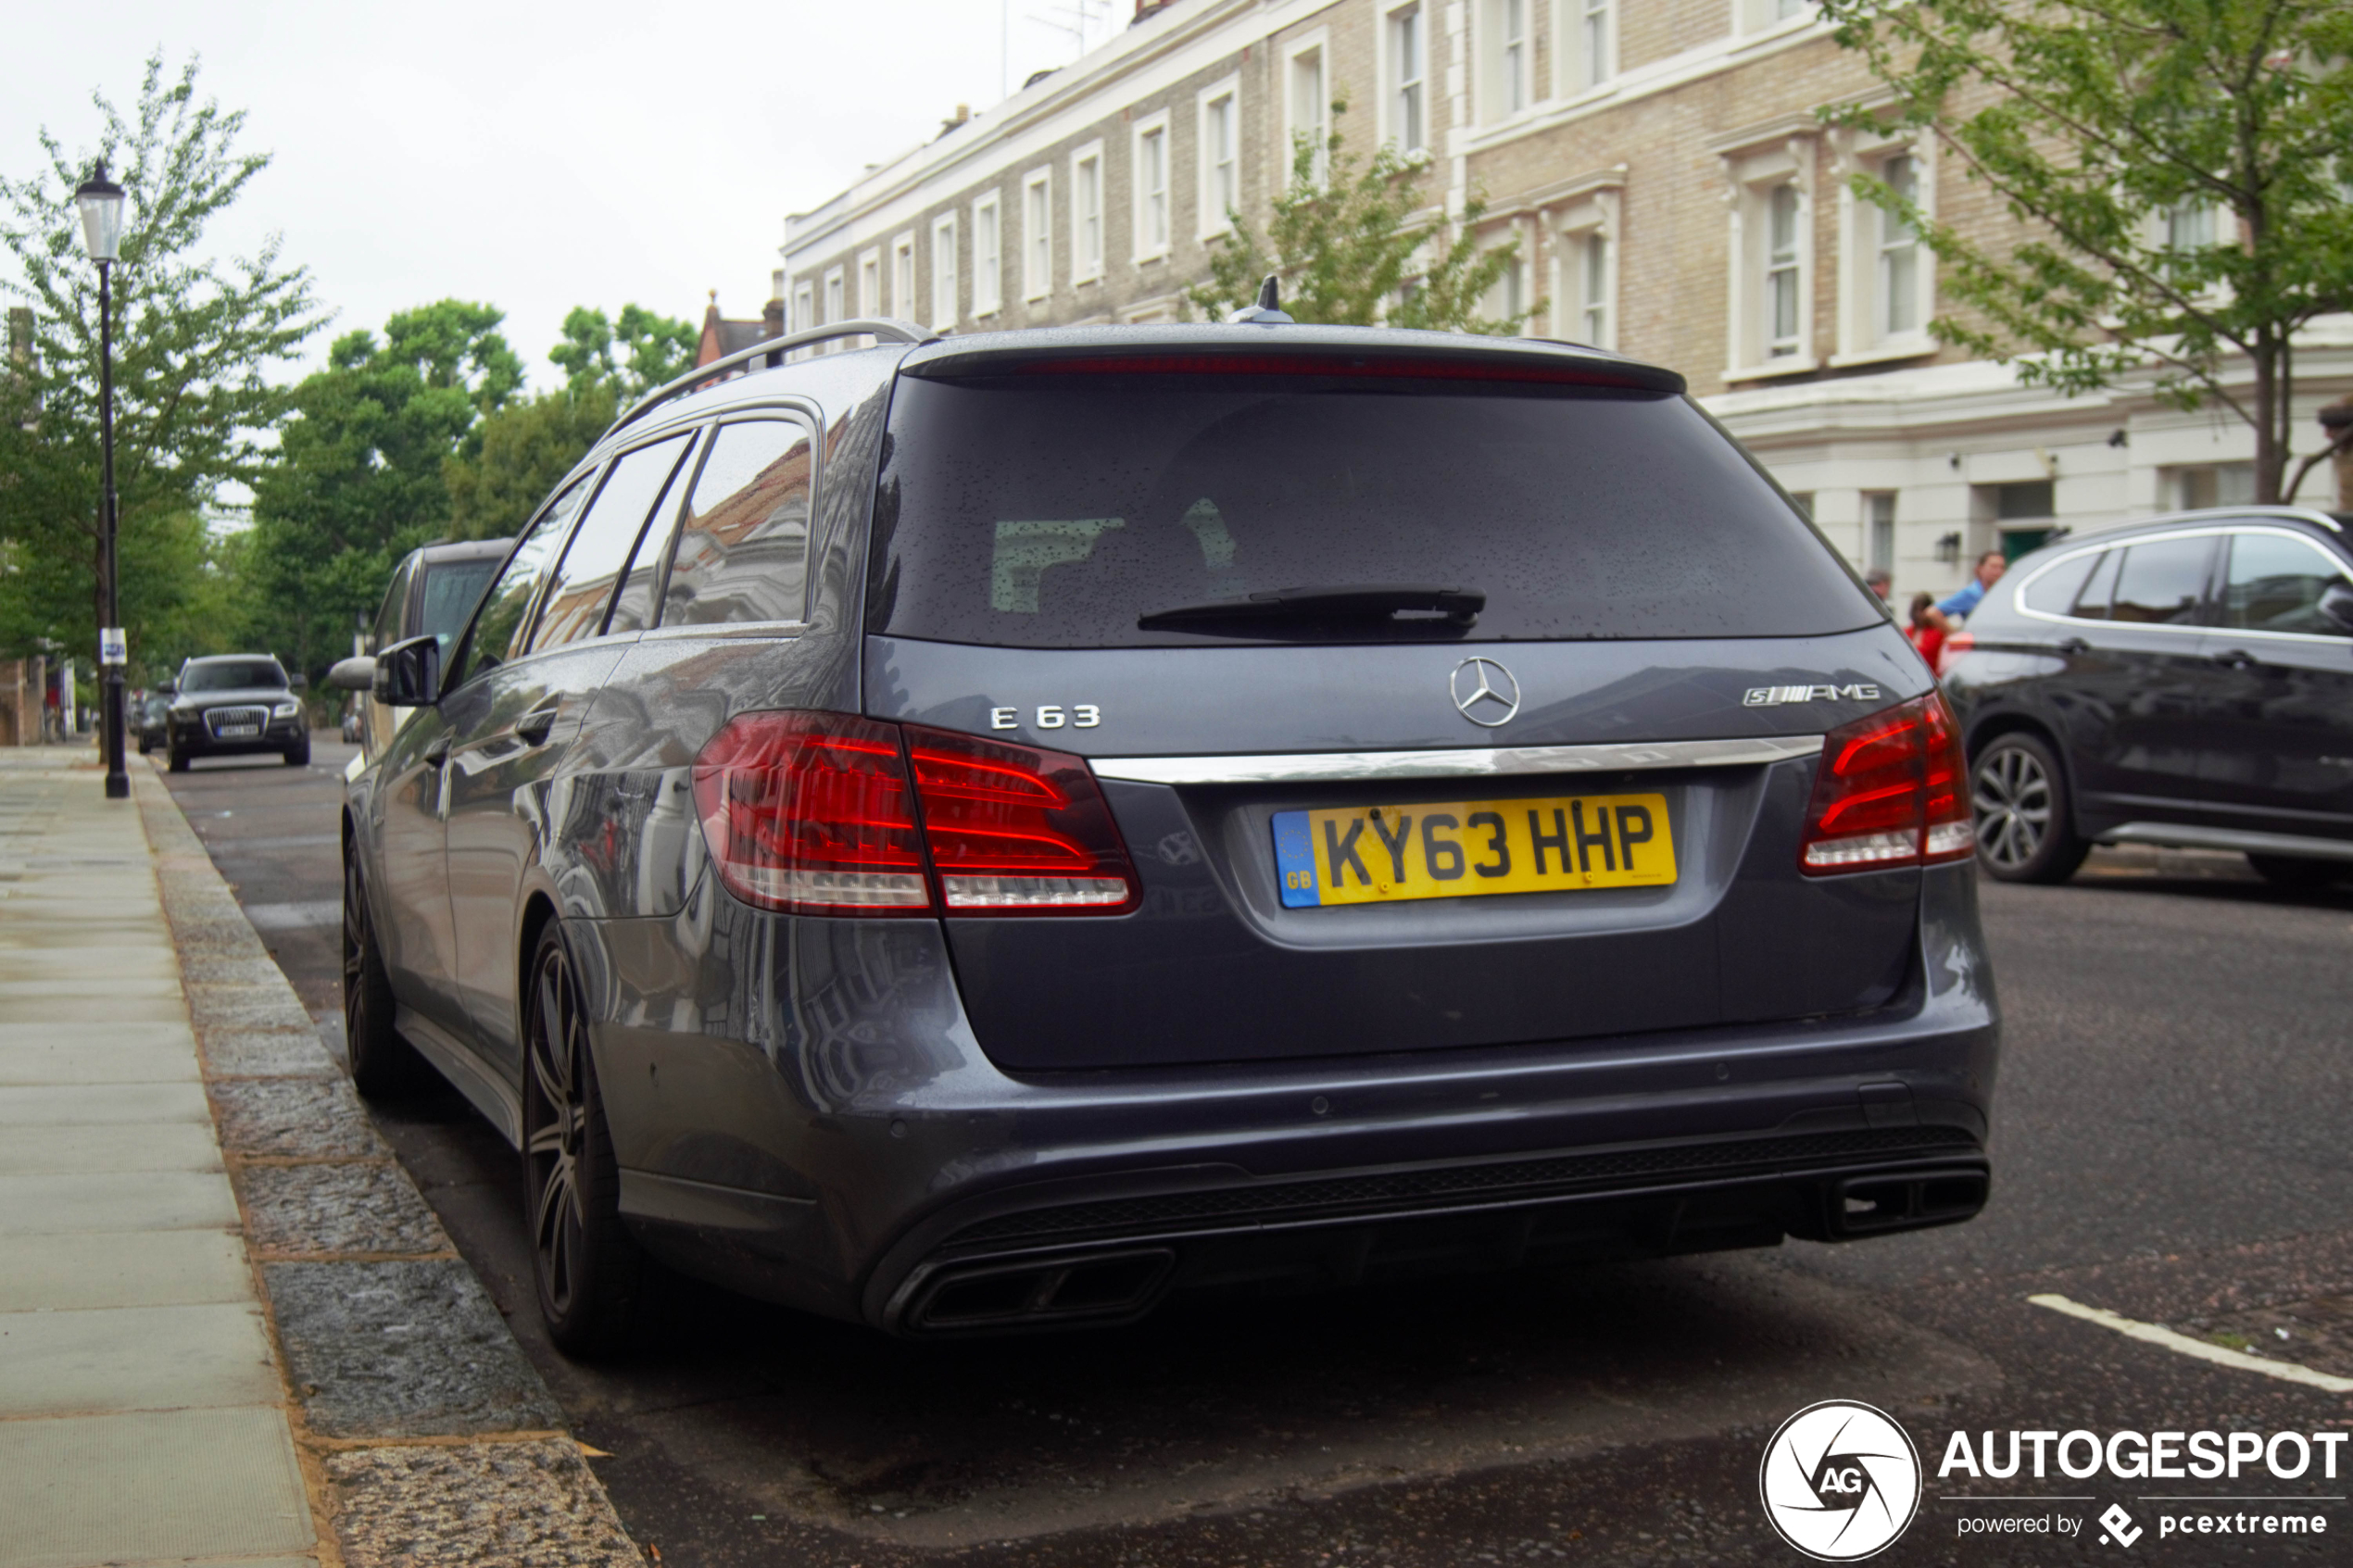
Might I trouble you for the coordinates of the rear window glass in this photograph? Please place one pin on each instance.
(1055, 512)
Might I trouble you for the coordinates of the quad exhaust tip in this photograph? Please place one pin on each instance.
(1907, 1200)
(1102, 1288)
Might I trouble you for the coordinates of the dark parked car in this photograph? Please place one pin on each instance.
(432, 592)
(152, 720)
(231, 705)
(2185, 682)
(978, 834)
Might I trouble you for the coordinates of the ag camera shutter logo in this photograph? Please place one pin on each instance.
(1841, 1481)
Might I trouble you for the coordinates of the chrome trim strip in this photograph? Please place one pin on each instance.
(2097, 544)
(1482, 762)
(2171, 835)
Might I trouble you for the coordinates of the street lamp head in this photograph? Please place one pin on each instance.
(101, 203)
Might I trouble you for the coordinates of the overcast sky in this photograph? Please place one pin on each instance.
(536, 157)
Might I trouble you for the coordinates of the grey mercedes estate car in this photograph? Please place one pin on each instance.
(980, 834)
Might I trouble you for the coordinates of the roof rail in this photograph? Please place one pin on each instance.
(889, 329)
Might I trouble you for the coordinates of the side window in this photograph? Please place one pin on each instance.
(743, 546)
(499, 627)
(2092, 603)
(386, 629)
(2053, 592)
(2162, 582)
(602, 544)
(2275, 585)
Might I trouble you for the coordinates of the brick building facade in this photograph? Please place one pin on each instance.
(1676, 198)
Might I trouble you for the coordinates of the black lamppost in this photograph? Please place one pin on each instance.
(101, 203)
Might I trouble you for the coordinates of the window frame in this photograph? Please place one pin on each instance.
(1505, 84)
(804, 305)
(1751, 178)
(1581, 63)
(1038, 233)
(2203, 625)
(869, 299)
(1863, 335)
(1209, 219)
(813, 425)
(988, 255)
(1145, 246)
(1316, 45)
(903, 274)
(946, 306)
(836, 296)
(1392, 128)
(1088, 266)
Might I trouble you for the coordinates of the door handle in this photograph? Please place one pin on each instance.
(436, 751)
(2073, 647)
(2234, 658)
(534, 726)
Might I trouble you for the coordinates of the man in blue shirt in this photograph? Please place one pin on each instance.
(1949, 612)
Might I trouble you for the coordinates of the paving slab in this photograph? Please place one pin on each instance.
(52, 1203)
(171, 1486)
(402, 1350)
(169, 1145)
(102, 1060)
(295, 1117)
(77, 1105)
(96, 1004)
(175, 1035)
(337, 1209)
(134, 1359)
(144, 961)
(55, 1274)
(522, 1505)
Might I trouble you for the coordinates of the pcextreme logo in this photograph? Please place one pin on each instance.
(1841, 1481)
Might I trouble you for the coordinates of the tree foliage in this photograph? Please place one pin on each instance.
(194, 338)
(359, 476)
(652, 349)
(526, 448)
(2180, 169)
(1353, 245)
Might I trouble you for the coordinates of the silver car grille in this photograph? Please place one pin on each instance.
(218, 717)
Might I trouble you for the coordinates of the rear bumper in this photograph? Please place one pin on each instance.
(833, 1136)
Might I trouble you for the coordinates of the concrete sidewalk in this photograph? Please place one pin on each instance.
(231, 1332)
(142, 1416)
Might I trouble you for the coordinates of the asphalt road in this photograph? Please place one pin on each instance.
(2171, 1145)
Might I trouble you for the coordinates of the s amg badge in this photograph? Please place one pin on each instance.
(1773, 696)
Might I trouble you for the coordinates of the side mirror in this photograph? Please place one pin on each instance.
(408, 674)
(2336, 605)
(355, 674)
(298, 682)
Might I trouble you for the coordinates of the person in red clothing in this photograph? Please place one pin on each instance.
(1926, 635)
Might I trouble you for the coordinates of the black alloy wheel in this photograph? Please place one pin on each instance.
(2298, 874)
(588, 1268)
(2025, 831)
(383, 1066)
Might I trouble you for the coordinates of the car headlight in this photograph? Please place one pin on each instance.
(285, 710)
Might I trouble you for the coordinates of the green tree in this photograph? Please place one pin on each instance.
(194, 338)
(358, 481)
(2179, 170)
(651, 349)
(526, 448)
(1345, 240)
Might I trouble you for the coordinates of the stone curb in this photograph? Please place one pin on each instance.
(426, 1436)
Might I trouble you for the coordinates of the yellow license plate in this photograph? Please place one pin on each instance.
(1461, 849)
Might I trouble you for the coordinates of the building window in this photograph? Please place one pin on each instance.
(1086, 214)
(1151, 189)
(1507, 301)
(1506, 52)
(1593, 264)
(1590, 50)
(1310, 108)
(870, 300)
(1899, 254)
(902, 276)
(1878, 521)
(804, 308)
(1220, 158)
(988, 259)
(1756, 14)
(943, 275)
(1783, 272)
(2208, 484)
(1407, 66)
(1038, 234)
(833, 312)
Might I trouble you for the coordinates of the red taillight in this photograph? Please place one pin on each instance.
(813, 813)
(1893, 791)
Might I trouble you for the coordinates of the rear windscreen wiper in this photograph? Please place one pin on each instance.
(1352, 601)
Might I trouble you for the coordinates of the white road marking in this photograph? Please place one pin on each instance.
(2151, 1333)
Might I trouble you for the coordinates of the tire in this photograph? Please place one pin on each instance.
(589, 1272)
(176, 760)
(299, 757)
(383, 1066)
(2302, 875)
(145, 745)
(2025, 820)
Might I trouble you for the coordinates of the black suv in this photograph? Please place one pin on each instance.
(977, 835)
(2185, 682)
(234, 705)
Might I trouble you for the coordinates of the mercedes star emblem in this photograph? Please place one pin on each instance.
(1485, 692)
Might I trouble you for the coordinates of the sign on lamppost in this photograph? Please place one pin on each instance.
(113, 647)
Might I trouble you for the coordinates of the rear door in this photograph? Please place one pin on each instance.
(1663, 640)
(2139, 683)
(2279, 757)
(511, 725)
